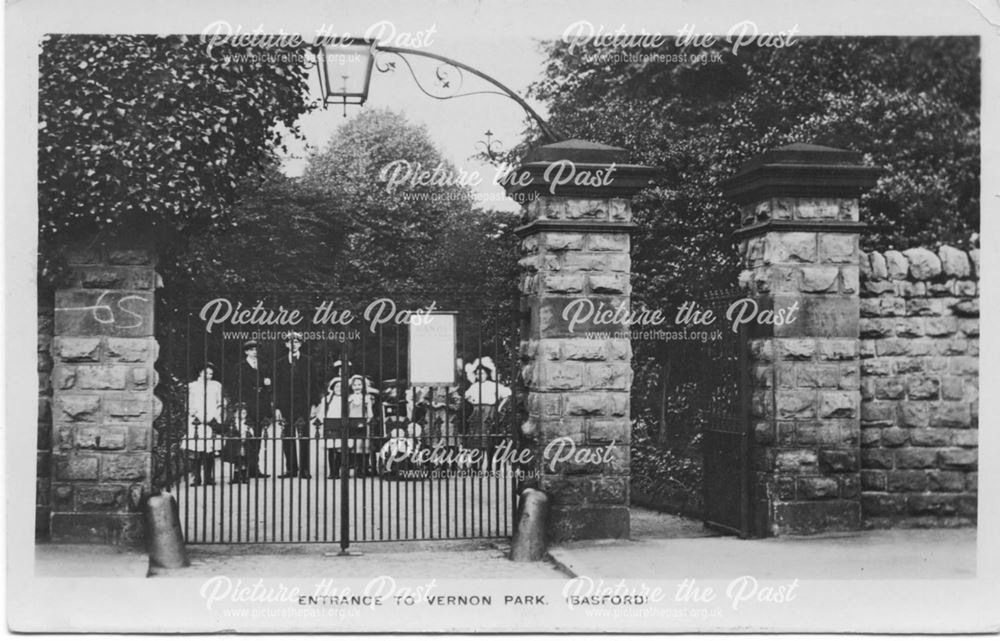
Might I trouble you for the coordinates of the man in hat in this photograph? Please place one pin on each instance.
(296, 389)
(251, 387)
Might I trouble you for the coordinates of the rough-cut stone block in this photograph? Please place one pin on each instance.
(99, 498)
(951, 414)
(557, 283)
(101, 438)
(838, 461)
(580, 349)
(954, 262)
(129, 467)
(924, 264)
(78, 350)
(762, 350)
(557, 376)
(790, 247)
(586, 404)
(966, 288)
(74, 467)
(877, 504)
(877, 287)
(796, 348)
(838, 248)
(617, 376)
(889, 388)
(608, 430)
(873, 480)
(952, 388)
(130, 256)
(795, 460)
(838, 404)
(943, 326)
(965, 438)
(818, 279)
(923, 387)
(811, 517)
(914, 414)
(63, 378)
(936, 504)
(817, 487)
(795, 404)
(137, 408)
(872, 367)
(568, 523)
(544, 404)
(608, 242)
(876, 413)
(897, 264)
(80, 408)
(915, 458)
(138, 437)
(946, 481)
(837, 349)
(101, 377)
(599, 262)
(876, 459)
(879, 267)
(116, 529)
(574, 429)
(906, 481)
(609, 283)
(108, 277)
(965, 459)
(561, 241)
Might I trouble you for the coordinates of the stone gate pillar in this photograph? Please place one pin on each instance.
(798, 240)
(103, 407)
(575, 348)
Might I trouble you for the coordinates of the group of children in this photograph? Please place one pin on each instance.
(391, 420)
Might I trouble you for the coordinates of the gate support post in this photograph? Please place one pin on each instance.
(799, 240)
(103, 405)
(575, 281)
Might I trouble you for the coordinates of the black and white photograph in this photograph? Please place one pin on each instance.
(500, 317)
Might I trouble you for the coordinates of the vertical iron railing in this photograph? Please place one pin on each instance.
(403, 462)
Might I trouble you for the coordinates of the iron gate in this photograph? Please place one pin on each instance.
(356, 452)
(722, 393)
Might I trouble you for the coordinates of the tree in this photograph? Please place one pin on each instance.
(154, 131)
(396, 229)
(910, 105)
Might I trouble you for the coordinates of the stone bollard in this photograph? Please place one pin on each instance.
(166, 547)
(529, 541)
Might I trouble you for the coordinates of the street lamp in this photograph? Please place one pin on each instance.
(344, 67)
(345, 70)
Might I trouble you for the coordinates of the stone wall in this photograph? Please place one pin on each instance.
(920, 386)
(43, 456)
(103, 406)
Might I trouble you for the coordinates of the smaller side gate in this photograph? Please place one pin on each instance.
(723, 398)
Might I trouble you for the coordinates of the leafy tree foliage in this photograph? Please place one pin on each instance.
(420, 234)
(154, 130)
(910, 105)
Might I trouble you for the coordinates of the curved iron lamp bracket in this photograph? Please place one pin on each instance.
(449, 73)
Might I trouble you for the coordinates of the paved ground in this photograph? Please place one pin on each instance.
(89, 560)
(663, 546)
(473, 559)
(656, 551)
